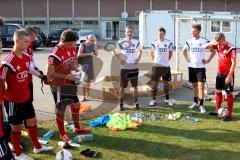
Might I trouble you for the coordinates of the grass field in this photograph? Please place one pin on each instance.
(208, 139)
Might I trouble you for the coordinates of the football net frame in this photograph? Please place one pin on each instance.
(183, 32)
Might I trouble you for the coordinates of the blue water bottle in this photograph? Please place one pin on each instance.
(48, 135)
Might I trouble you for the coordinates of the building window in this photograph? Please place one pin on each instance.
(226, 26)
(221, 26)
(90, 22)
(34, 23)
(215, 26)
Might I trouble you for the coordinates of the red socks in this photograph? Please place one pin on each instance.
(60, 123)
(218, 97)
(33, 135)
(16, 141)
(75, 116)
(230, 102)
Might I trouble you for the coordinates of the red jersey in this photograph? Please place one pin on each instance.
(225, 54)
(14, 71)
(64, 60)
(29, 51)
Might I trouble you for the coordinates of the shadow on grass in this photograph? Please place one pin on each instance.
(211, 135)
(159, 150)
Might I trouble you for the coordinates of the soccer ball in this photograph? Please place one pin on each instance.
(64, 155)
(222, 112)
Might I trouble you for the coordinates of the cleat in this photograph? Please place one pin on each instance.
(213, 113)
(43, 149)
(193, 106)
(226, 119)
(169, 102)
(23, 157)
(202, 109)
(152, 102)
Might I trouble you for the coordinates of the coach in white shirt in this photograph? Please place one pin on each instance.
(161, 53)
(196, 65)
(130, 54)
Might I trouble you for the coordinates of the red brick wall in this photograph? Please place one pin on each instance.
(137, 5)
(60, 8)
(112, 8)
(10, 8)
(29, 10)
(163, 4)
(193, 5)
(86, 8)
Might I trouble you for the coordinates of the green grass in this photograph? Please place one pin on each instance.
(208, 139)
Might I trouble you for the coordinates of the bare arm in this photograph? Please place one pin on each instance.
(95, 51)
(152, 55)
(185, 54)
(170, 55)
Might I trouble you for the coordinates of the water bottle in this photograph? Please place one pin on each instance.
(48, 135)
(153, 117)
(83, 138)
(194, 119)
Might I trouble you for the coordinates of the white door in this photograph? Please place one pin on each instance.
(122, 25)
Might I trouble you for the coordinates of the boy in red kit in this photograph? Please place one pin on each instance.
(14, 72)
(61, 62)
(225, 77)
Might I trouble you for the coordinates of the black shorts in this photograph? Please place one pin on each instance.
(161, 72)
(197, 74)
(221, 85)
(17, 113)
(5, 151)
(129, 75)
(65, 93)
(30, 85)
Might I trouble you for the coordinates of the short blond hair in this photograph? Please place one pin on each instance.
(19, 33)
(219, 36)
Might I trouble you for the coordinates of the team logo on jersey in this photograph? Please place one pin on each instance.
(200, 44)
(22, 75)
(165, 45)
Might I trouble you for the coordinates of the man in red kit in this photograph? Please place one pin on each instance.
(14, 72)
(37, 72)
(61, 63)
(225, 77)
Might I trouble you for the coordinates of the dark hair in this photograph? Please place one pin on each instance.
(2, 22)
(129, 27)
(69, 35)
(197, 26)
(161, 29)
(30, 30)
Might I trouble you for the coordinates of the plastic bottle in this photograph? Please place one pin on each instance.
(48, 135)
(153, 117)
(83, 138)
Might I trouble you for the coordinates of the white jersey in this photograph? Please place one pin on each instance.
(196, 52)
(130, 53)
(161, 52)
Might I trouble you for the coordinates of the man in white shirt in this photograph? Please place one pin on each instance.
(129, 58)
(196, 65)
(161, 53)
